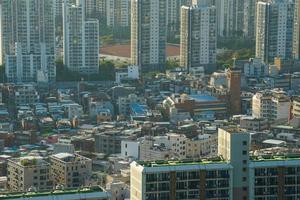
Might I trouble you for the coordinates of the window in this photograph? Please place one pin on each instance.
(244, 179)
(244, 152)
(244, 143)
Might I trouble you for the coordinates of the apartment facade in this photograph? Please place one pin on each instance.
(274, 178)
(181, 180)
(118, 13)
(274, 30)
(296, 31)
(20, 94)
(28, 173)
(70, 170)
(81, 39)
(28, 40)
(109, 142)
(271, 105)
(233, 176)
(198, 35)
(148, 34)
(125, 102)
(249, 19)
(296, 107)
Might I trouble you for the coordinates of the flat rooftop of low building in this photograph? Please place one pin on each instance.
(203, 98)
(138, 109)
(274, 142)
(164, 163)
(63, 155)
(234, 129)
(262, 158)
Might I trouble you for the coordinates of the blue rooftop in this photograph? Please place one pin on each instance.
(138, 109)
(203, 98)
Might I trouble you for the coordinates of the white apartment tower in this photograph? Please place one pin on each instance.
(148, 34)
(230, 17)
(198, 36)
(296, 31)
(118, 13)
(274, 29)
(173, 15)
(81, 39)
(249, 19)
(28, 40)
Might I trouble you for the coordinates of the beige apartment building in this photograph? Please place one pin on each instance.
(70, 170)
(202, 145)
(28, 173)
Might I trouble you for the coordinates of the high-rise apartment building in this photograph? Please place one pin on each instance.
(296, 31)
(70, 170)
(232, 176)
(233, 145)
(274, 29)
(148, 34)
(199, 179)
(81, 40)
(249, 19)
(230, 17)
(28, 173)
(198, 35)
(118, 13)
(28, 40)
(173, 16)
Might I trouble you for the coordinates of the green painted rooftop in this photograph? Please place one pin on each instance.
(50, 193)
(162, 163)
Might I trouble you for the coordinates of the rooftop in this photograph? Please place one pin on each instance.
(203, 98)
(50, 193)
(295, 156)
(162, 163)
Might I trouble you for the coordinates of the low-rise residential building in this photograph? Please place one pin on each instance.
(20, 94)
(27, 173)
(202, 145)
(109, 142)
(254, 124)
(118, 190)
(271, 105)
(70, 170)
(256, 68)
(296, 107)
(131, 73)
(199, 107)
(125, 102)
(74, 110)
(170, 145)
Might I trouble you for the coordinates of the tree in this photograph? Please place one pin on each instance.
(107, 70)
(2, 73)
(172, 64)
